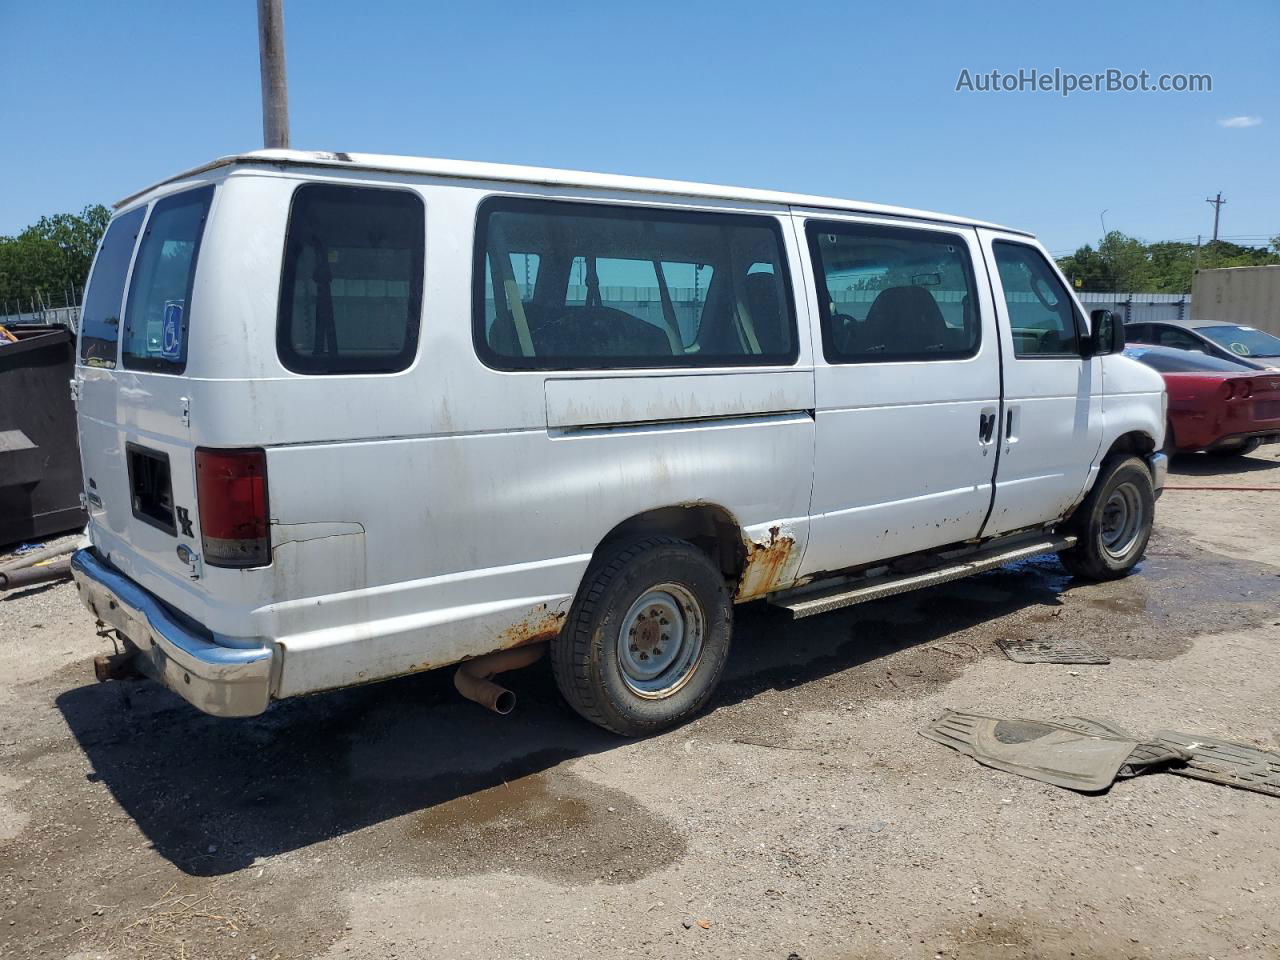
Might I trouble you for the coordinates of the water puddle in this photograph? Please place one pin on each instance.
(551, 824)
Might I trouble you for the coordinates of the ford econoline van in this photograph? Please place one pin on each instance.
(345, 417)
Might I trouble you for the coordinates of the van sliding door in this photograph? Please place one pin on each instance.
(908, 388)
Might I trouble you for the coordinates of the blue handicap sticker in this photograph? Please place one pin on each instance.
(171, 346)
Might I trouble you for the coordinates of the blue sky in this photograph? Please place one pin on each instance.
(849, 99)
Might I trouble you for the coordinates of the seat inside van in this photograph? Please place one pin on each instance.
(586, 331)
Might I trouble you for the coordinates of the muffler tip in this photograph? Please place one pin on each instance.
(473, 678)
(504, 702)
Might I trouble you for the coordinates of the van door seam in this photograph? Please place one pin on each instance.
(1000, 400)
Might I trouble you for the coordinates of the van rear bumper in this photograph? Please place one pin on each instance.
(220, 680)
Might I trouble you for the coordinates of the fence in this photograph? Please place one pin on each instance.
(62, 310)
(1141, 307)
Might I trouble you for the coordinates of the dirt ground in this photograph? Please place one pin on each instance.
(802, 816)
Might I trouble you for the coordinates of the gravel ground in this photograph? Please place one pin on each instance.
(801, 816)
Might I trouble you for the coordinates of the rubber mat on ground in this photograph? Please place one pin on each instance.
(1221, 761)
(1048, 752)
(1059, 650)
(1148, 756)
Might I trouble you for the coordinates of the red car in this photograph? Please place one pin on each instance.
(1214, 405)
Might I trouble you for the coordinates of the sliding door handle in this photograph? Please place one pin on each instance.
(986, 427)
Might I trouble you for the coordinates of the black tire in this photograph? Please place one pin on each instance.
(644, 583)
(1123, 491)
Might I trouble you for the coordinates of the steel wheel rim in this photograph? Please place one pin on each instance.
(660, 641)
(1123, 518)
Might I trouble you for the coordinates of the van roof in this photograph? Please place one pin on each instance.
(547, 176)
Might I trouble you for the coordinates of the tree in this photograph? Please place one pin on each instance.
(1126, 260)
(1086, 270)
(51, 257)
(1124, 264)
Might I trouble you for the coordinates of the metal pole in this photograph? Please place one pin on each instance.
(1217, 209)
(275, 90)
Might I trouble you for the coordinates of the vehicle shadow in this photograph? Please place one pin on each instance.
(214, 795)
(1209, 465)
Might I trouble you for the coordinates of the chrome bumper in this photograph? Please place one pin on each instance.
(1159, 464)
(220, 680)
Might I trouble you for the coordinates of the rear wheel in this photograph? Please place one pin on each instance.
(1113, 523)
(647, 638)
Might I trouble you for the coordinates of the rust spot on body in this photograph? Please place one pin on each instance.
(538, 626)
(766, 565)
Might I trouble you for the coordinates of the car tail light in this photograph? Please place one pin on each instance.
(231, 488)
(1244, 389)
(1228, 389)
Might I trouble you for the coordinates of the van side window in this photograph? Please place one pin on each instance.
(890, 294)
(100, 318)
(351, 288)
(158, 313)
(628, 287)
(1041, 314)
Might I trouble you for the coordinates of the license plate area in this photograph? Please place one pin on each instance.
(1266, 409)
(151, 488)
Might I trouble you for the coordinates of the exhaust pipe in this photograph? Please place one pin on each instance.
(30, 576)
(473, 678)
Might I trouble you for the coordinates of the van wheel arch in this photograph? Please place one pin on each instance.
(1135, 442)
(711, 528)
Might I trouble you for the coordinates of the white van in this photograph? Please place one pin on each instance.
(345, 417)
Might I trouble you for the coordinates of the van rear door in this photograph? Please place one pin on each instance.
(135, 445)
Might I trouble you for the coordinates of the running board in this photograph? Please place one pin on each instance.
(819, 600)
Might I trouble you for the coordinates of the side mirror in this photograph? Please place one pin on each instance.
(1106, 333)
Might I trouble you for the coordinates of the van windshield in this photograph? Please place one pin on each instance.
(158, 313)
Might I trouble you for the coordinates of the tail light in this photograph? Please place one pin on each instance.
(231, 488)
(1228, 389)
(1244, 389)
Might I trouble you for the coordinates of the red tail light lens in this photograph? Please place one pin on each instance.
(231, 488)
(1244, 389)
(1228, 389)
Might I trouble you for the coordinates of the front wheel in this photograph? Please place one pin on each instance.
(647, 638)
(1113, 523)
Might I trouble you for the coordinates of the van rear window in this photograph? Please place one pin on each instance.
(351, 289)
(100, 318)
(158, 313)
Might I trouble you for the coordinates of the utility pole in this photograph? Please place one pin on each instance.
(275, 90)
(1217, 209)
